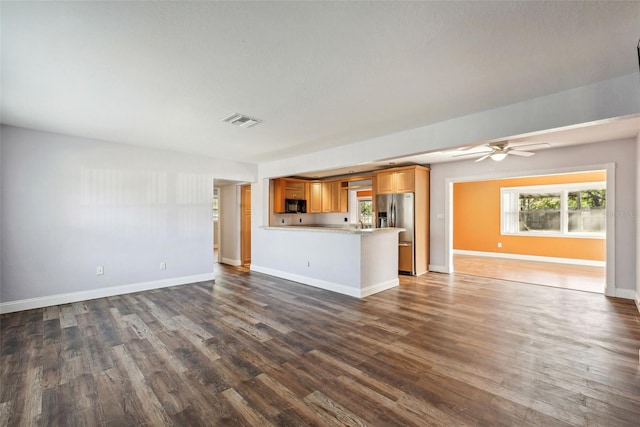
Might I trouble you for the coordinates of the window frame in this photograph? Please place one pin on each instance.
(215, 205)
(509, 218)
(369, 200)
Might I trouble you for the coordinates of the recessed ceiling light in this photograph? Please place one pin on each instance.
(241, 120)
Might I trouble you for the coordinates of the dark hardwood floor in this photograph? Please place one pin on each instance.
(447, 350)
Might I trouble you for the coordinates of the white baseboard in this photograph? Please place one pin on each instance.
(625, 293)
(572, 261)
(439, 268)
(328, 286)
(47, 301)
(374, 289)
(229, 261)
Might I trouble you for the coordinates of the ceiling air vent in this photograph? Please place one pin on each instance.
(241, 121)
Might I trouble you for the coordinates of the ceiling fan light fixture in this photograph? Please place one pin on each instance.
(499, 156)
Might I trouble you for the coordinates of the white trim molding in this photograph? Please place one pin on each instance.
(379, 287)
(71, 297)
(556, 260)
(439, 268)
(625, 293)
(356, 292)
(229, 261)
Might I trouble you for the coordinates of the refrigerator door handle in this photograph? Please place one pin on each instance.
(393, 213)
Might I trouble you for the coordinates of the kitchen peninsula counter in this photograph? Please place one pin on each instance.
(351, 261)
(334, 229)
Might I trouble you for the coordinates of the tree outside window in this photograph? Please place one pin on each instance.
(539, 211)
(365, 211)
(587, 210)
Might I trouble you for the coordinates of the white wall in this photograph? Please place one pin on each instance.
(637, 215)
(230, 225)
(70, 204)
(622, 153)
(1, 226)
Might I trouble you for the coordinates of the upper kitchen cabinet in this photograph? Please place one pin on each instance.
(339, 197)
(327, 192)
(288, 189)
(315, 197)
(295, 190)
(328, 197)
(397, 180)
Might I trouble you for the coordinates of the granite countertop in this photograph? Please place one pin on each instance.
(333, 229)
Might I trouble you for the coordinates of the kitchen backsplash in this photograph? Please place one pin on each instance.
(306, 219)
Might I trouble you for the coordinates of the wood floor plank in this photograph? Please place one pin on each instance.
(151, 407)
(344, 416)
(252, 416)
(251, 349)
(292, 401)
(33, 405)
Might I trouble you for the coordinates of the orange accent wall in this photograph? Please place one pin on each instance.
(476, 220)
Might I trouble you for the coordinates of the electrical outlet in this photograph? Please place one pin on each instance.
(346, 220)
(499, 244)
(300, 220)
(163, 265)
(99, 270)
(308, 263)
(283, 220)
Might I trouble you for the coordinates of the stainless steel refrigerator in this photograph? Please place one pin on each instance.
(397, 210)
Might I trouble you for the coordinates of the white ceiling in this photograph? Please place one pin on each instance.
(318, 74)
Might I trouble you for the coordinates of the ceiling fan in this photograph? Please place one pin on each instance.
(500, 150)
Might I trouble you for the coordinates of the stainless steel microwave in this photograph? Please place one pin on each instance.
(295, 206)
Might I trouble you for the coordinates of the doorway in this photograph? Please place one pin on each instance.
(215, 209)
(554, 234)
(245, 225)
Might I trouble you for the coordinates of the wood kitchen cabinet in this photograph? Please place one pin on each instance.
(288, 189)
(396, 181)
(327, 197)
(344, 197)
(327, 191)
(295, 190)
(314, 205)
(335, 196)
(321, 196)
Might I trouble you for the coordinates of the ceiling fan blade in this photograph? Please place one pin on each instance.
(538, 144)
(521, 153)
(484, 157)
(471, 147)
(472, 154)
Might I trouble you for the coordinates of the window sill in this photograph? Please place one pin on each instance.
(599, 236)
